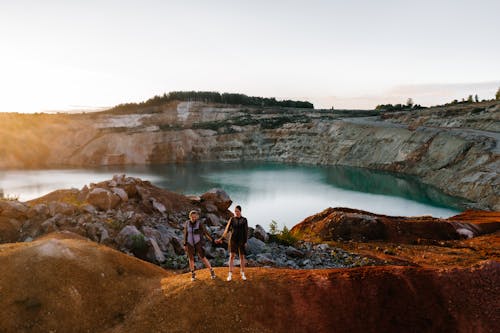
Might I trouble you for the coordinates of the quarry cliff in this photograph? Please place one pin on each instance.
(453, 148)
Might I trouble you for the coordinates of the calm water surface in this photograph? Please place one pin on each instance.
(266, 191)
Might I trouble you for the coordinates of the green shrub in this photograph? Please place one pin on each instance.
(139, 242)
(283, 236)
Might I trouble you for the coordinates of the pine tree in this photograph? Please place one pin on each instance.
(497, 96)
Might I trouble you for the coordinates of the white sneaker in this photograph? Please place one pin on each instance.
(193, 276)
(229, 276)
(243, 277)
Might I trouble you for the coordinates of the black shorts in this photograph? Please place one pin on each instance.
(197, 248)
(237, 247)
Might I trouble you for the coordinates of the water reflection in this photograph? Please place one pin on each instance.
(285, 193)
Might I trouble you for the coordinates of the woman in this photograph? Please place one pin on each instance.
(238, 225)
(194, 230)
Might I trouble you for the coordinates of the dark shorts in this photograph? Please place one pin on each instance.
(237, 247)
(197, 248)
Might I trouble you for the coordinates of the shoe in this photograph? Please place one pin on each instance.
(229, 276)
(212, 274)
(193, 276)
(243, 277)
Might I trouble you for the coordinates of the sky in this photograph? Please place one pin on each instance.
(80, 55)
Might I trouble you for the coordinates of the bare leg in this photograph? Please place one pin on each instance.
(191, 263)
(206, 263)
(242, 262)
(231, 261)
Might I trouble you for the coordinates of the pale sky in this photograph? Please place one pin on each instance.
(69, 54)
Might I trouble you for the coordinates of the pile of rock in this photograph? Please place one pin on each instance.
(140, 219)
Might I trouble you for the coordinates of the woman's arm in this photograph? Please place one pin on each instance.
(246, 230)
(226, 230)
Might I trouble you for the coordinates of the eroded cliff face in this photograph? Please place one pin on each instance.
(461, 161)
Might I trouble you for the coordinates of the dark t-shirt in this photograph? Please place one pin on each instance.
(239, 228)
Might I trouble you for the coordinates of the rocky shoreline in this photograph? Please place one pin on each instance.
(142, 220)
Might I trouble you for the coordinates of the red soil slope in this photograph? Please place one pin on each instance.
(422, 241)
(66, 284)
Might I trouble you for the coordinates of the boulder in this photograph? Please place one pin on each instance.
(13, 209)
(162, 240)
(130, 189)
(83, 193)
(57, 207)
(50, 225)
(260, 233)
(255, 246)
(154, 253)
(129, 237)
(265, 259)
(89, 209)
(158, 205)
(211, 208)
(103, 199)
(104, 237)
(212, 220)
(9, 230)
(121, 193)
(173, 243)
(194, 198)
(293, 252)
(40, 211)
(219, 198)
(322, 247)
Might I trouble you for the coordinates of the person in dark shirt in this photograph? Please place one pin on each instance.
(238, 225)
(194, 230)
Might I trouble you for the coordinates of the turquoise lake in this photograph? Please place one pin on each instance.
(266, 191)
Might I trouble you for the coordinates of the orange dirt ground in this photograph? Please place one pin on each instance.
(413, 241)
(63, 283)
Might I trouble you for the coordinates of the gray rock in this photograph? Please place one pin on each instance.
(255, 246)
(89, 209)
(104, 238)
(127, 237)
(194, 198)
(211, 208)
(163, 240)
(306, 262)
(265, 259)
(154, 253)
(158, 205)
(294, 253)
(212, 220)
(121, 193)
(322, 247)
(220, 252)
(260, 233)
